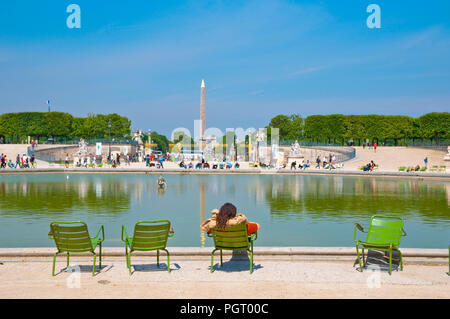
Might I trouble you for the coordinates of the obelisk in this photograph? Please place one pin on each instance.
(202, 112)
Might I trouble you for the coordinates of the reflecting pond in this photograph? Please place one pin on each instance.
(303, 210)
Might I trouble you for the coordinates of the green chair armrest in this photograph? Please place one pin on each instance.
(50, 234)
(404, 232)
(253, 236)
(126, 235)
(171, 232)
(209, 235)
(360, 228)
(102, 229)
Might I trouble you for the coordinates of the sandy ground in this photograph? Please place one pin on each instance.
(273, 277)
(391, 158)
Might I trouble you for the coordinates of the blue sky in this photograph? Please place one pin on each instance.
(146, 59)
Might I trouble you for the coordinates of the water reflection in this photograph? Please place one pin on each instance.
(334, 198)
(25, 197)
(292, 210)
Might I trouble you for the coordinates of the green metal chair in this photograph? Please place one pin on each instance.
(232, 238)
(148, 235)
(73, 237)
(384, 234)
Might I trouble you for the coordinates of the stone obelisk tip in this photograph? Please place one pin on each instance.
(203, 83)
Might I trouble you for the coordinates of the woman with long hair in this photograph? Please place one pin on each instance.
(226, 216)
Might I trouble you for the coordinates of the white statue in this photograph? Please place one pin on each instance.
(447, 157)
(137, 136)
(82, 149)
(295, 149)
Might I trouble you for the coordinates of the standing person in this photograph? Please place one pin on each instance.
(318, 162)
(33, 161)
(67, 160)
(17, 161)
(324, 161)
(161, 159)
(364, 144)
(375, 147)
(425, 160)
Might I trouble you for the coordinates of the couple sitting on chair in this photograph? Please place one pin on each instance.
(226, 216)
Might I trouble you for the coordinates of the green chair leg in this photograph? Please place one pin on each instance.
(212, 259)
(129, 262)
(54, 261)
(359, 259)
(221, 260)
(157, 258)
(128, 258)
(363, 259)
(93, 266)
(390, 262)
(168, 260)
(401, 260)
(67, 259)
(251, 261)
(100, 255)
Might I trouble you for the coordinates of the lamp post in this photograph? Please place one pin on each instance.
(149, 141)
(109, 126)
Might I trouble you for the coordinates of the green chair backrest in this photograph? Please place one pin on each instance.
(150, 235)
(231, 237)
(71, 236)
(385, 230)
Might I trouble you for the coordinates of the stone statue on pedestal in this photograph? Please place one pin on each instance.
(295, 154)
(447, 157)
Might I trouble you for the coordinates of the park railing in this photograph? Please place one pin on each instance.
(342, 153)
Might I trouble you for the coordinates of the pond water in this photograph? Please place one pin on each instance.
(292, 210)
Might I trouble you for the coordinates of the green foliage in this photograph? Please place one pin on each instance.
(290, 127)
(59, 124)
(372, 127)
(161, 141)
(434, 125)
(180, 136)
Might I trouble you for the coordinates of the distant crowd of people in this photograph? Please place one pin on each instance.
(369, 167)
(326, 162)
(22, 161)
(303, 165)
(370, 146)
(203, 164)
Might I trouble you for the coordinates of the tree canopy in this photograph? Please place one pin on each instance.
(59, 124)
(433, 126)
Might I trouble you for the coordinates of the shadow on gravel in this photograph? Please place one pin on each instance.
(238, 262)
(85, 269)
(153, 267)
(378, 260)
